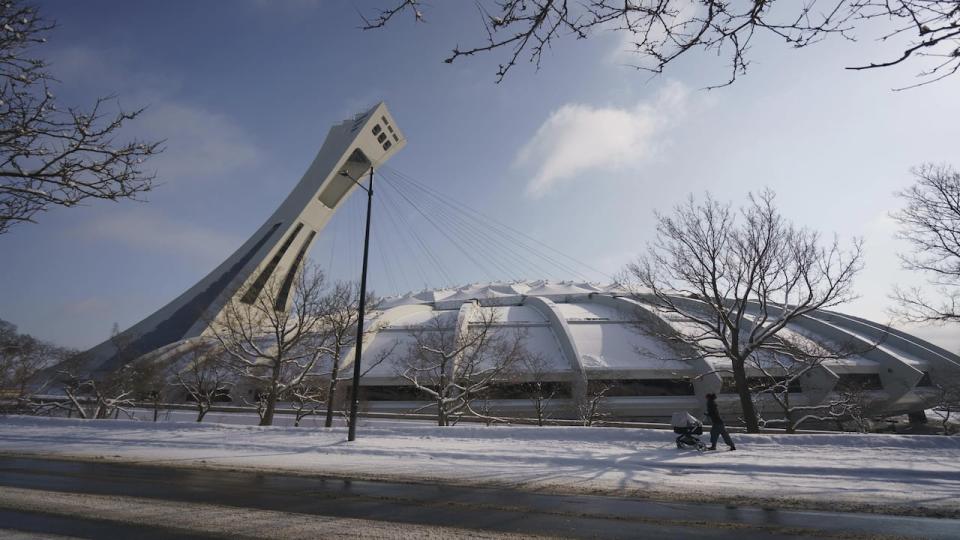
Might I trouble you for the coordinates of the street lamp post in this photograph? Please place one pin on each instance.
(355, 389)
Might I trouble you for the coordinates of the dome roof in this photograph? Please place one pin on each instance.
(592, 332)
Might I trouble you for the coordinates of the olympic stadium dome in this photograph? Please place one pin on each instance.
(589, 335)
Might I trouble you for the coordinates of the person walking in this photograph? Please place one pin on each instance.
(717, 429)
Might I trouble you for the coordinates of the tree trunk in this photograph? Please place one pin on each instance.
(441, 416)
(201, 412)
(788, 412)
(76, 403)
(746, 403)
(441, 390)
(156, 410)
(267, 419)
(333, 389)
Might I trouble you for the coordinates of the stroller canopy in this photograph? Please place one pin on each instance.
(683, 420)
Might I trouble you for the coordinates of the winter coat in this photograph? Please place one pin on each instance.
(712, 412)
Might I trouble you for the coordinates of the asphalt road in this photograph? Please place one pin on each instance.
(105, 500)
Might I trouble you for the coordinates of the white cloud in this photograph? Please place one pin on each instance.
(147, 230)
(577, 138)
(199, 143)
(112, 72)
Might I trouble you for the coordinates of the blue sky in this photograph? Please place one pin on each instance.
(578, 154)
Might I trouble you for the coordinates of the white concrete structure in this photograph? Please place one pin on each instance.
(277, 248)
(586, 334)
(594, 333)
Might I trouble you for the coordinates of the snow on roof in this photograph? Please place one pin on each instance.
(547, 288)
(602, 333)
(498, 289)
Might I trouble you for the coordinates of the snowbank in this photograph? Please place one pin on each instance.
(889, 473)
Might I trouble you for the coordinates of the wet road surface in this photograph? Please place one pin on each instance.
(489, 510)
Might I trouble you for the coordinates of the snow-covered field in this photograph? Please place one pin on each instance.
(886, 473)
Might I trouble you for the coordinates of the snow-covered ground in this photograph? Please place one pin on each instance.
(888, 473)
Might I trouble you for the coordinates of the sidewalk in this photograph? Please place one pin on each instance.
(898, 474)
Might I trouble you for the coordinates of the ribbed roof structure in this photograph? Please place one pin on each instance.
(593, 332)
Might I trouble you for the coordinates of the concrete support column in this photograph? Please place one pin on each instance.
(569, 347)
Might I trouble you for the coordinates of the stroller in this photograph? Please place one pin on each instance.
(687, 428)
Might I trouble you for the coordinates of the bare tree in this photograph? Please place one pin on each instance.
(50, 156)
(269, 344)
(456, 365)
(663, 30)
(101, 395)
(23, 368)
(204, 377)
(339, 313)
(149, 384)
(781, 373)
(306, 399)
(260, 398)
(734, 284)
(590, 405)
(946, 404)
(930, 222)
(538, 387)
(850, 406)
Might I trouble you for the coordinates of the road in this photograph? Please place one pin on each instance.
(106, 500)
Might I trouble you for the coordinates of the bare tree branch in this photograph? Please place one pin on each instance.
(51, 157)
(456, 368)
(275, 348)
(732, 281)
(663, 30)
(930, 223)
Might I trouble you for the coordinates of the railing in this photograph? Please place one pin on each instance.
(426, 417)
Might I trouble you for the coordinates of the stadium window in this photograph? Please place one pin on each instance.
(393, 393)
(761, 384)
(859, 381)
(643, 387)
(525, 390)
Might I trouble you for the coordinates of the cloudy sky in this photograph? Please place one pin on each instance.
(578, 155)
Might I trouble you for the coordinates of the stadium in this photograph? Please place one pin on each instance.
(588, 339)
(590, 336)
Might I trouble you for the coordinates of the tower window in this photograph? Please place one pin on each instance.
(376, 129)
(382, 137)
(387, 145)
